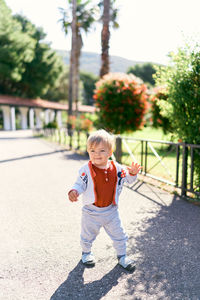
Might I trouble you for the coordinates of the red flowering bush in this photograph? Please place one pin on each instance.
(122, 102)
(159, 120)
(85, 123)
(72, 121)
(81, 122)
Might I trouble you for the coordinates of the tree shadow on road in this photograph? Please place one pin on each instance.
(75, 288)
(167, 247)
(31, 156)
(75, 156)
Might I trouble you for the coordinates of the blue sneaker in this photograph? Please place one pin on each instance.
(126, 263)
(88, 259)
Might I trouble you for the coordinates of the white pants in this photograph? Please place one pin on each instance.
(93, 218)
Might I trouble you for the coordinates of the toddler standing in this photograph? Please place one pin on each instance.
(100, 182)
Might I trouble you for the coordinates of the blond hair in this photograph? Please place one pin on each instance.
(99, 136)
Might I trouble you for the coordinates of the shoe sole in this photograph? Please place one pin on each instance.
(89, 263)
(129, 268)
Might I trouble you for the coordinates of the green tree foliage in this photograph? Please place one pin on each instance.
(59, 92)
(16, 49)
(157, 119)
(144, 71)
(28, 67)
(44, 70)
(88, 81)
(181, 80)
(122, 103)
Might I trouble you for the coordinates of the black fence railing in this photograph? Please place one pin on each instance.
(172, 163)
(176, 164)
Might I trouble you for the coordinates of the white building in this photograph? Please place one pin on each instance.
(33, 112)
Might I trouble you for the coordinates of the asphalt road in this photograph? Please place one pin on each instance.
(40, 228)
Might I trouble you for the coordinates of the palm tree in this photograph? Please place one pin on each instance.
(105, 37)
(72, 72)
(82, 19)
(109, 15)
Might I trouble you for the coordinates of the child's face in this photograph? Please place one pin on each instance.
(99, 155)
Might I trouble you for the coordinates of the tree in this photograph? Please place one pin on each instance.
(28, 67)
(73, 62)
(44, 70)
(59, 92)
(181, 81)
(16, 49)
(105, 36)
(81, 21)
(144, 71)
(89, 81)
(109, 15)
(122, 103)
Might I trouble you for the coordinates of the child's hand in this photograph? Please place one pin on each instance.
(134, 169)
(73, 195)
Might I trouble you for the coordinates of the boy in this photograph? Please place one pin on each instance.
(100, 182)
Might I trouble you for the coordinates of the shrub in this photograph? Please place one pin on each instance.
(52, 124)
(122, 103)
(158, 118)
(181, 79)
(81, 122)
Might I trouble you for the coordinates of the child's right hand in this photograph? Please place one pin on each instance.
(73, 195)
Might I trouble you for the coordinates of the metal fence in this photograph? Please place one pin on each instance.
(175, 164)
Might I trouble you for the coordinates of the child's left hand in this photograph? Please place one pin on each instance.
(134, 169)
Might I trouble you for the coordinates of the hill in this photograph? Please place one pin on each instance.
(90, 62)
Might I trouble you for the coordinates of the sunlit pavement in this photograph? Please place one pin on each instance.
(40, 228)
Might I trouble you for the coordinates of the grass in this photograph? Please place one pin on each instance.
(164, 167)
(151, 134)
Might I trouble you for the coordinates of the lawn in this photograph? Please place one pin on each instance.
(151, 133)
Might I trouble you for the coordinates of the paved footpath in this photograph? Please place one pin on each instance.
(39, 233)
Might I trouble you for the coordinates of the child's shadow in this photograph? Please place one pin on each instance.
(75, 288)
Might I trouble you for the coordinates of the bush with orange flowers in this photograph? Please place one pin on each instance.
(81, 122)
(122, 102)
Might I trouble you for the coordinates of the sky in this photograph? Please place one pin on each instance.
(148, 29)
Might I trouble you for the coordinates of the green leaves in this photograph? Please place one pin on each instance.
(144, 71)
(28, 67)
(182, 84)
(16, 48)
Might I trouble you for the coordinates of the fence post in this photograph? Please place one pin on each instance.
(118, 149)
(70, 134)
(60, 135)
(146, 153)
(87, 136)
(142, 151)
(177, 164)
(184, 171)
(78, 139)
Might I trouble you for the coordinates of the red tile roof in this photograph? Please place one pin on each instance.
(40, 103)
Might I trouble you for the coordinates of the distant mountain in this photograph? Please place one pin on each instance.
(90, 62)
